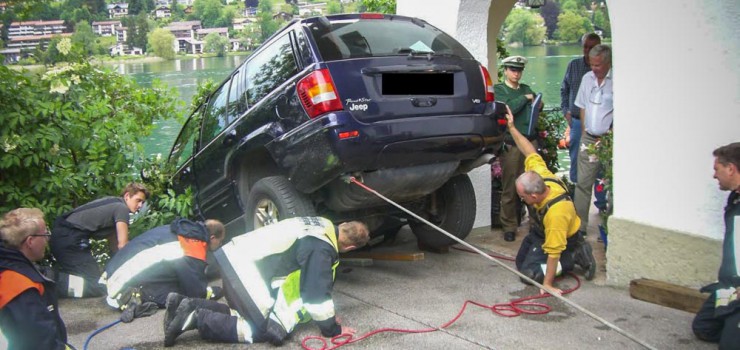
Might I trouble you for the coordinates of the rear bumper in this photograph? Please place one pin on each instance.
(314, 155)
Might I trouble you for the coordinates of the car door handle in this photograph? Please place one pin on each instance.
(424, 102)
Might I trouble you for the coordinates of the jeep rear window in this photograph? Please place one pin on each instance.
(351, 38)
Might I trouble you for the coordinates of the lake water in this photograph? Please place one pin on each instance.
(543, 73)
(182, 74)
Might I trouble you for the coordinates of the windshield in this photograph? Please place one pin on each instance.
(351, 38)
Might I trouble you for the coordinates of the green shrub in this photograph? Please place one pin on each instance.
(73, 134)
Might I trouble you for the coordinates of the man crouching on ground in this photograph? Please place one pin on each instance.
(274, 278)
(553, 244)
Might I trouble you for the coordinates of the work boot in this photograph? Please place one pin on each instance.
(173, 301)
(509, 236)
(275, 334)
(184, 320)
(584, 258)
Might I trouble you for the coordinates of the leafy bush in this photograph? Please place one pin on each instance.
(72, 134)
(551, 129)
(602, 150)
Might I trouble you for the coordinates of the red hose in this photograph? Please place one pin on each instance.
(512, 308)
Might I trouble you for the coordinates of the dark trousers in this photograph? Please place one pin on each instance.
(530, 257)
(157, 292)
(724, 330)
(71, 250)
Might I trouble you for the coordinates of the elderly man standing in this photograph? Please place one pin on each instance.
(577, 68)
(519, 98)
(596, 100)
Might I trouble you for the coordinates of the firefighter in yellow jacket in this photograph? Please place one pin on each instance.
(274, 278)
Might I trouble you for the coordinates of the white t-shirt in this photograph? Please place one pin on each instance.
(597, 102)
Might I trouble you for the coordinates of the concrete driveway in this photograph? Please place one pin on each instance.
(428, 293)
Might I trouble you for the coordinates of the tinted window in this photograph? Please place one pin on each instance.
(269, 68)
(237, 95)
(347, 38)
(183, 148)
(215, 118)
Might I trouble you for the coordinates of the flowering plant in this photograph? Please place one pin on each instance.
(602, 151)
(550, 129)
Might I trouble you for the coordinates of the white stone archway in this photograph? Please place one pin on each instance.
(677, 97)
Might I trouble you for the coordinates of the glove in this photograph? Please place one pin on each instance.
(214, 292)
(138, 310)
(710, 288)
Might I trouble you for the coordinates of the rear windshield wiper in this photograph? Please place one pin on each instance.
(412, 53)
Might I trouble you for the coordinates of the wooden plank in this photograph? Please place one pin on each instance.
(438, 250)
(667, 294)
(356, 262)
(384, 256)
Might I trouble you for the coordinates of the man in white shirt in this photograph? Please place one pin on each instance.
(596, 100)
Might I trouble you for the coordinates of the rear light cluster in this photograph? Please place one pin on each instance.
(488, 84)
(318, 94)
(368, 15)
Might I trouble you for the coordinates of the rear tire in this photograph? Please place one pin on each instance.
(455, 214)
(272, 199)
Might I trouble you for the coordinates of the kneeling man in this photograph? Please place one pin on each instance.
(274, 278)
(169, 258)
(554, 244)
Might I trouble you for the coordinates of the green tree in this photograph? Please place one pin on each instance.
(138, 28)
(267, 25)
(103, 44)
(334, 6)
(227, 17)
(549, 13)
(572, 5)
(73, 134)
(51, 55)
(161, 41)
(208, 11)
(84, 39)
(136, 7)
(571, 26)
(601, 20)
(379, 6)
(524, 26)
(178, 12)
(72, 16)
(216, 43)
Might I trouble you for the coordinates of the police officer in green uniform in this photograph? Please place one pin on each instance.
(274, 278)
(519, 98)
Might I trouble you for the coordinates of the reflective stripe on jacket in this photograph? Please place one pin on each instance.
(174, 253)
(297, 256)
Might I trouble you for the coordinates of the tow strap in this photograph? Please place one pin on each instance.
(510, 309)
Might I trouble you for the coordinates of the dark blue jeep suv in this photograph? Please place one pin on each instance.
(388, 99)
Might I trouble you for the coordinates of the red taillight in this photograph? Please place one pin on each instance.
(348, 134)
(488, 84)
(372, 16)
(318, 94)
